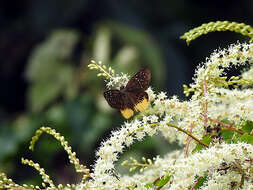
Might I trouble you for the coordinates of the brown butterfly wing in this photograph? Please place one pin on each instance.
(121, 101)
(139, 100)
(115, 99)
(139, 82)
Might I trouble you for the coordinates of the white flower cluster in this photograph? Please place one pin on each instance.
(112, 80)
(117, 81)
(235, 105)
(225, 166)
(218, 163)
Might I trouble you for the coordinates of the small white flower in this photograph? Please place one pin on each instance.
(151, 94)
(161, 96)
(153, 118)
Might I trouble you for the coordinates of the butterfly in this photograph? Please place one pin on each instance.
(133, 96)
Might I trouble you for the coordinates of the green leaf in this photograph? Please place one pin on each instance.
(43, 92)
(98, 125)
(40, 94)
(246, 138)
(101, 45)
(227, 135)
(201, 182)
(51, 55)
(56, 114)
(24, 127)
(206, 139)
(149, 185)
(160, 183)
(8, 142)
(163, 181)
(248, 126)
(49, 72)
(225, 121)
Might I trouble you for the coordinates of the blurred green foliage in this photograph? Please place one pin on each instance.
(65, 95)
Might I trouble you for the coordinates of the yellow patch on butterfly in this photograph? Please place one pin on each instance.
(142, 105)
(127, 113)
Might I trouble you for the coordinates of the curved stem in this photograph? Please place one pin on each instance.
(196, 182)
(188, 142)
(187, 133)
(205, 104)
(228, 126)
(178, 128)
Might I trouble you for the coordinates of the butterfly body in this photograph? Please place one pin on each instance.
(132, 97)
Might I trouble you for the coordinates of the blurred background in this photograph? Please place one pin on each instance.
(45, 47)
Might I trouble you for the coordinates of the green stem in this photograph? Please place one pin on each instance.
(241, 28)
(178, 128)
(187, 133)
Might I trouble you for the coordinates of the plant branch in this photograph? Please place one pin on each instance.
(188, 142)
(205, 104)
(187, 133)
(195, 183)
(228, 126)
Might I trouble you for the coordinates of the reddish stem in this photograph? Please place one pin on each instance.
(188, 142)
(228, 126)
(205, 104)
(196, 182)
(249, 160)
